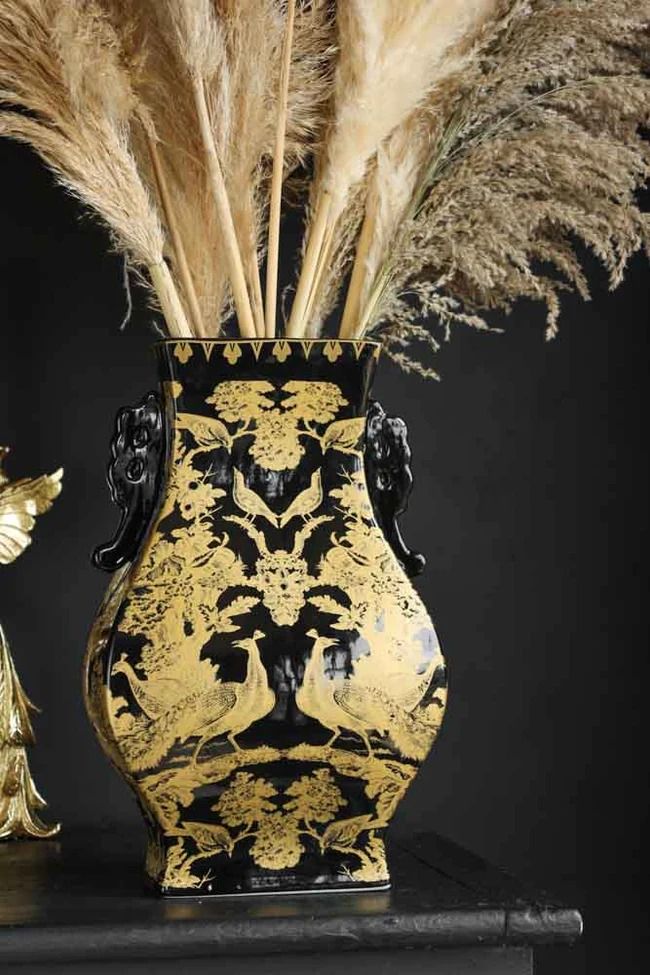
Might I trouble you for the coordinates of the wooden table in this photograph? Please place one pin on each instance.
(81, 899)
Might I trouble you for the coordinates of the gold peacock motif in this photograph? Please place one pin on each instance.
(244, 703)
(180, 709)
(157, 694)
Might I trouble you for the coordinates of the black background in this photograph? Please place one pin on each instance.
(530, 504)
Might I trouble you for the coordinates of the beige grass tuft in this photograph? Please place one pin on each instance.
(60, 69)
(539, 145)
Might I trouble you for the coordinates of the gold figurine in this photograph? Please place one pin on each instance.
(20, 801)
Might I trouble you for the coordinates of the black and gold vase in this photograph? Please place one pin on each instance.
(262, 672)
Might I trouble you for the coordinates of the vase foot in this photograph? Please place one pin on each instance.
(267, 890)
(176, 868)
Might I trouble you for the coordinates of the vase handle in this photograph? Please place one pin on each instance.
(134, 478)
(388, 473)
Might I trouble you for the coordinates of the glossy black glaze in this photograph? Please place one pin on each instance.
(281, 557)
(390, 480)
(134, 477)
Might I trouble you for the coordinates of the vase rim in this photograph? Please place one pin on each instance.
(256, 341)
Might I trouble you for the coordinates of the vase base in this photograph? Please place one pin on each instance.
(236, 873)
(268, 891)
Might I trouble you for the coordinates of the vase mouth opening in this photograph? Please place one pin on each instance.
(265, 341)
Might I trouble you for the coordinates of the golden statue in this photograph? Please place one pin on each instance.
(20, 801)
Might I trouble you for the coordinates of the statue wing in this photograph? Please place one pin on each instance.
(20, 503)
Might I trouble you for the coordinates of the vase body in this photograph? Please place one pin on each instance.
(263, 673)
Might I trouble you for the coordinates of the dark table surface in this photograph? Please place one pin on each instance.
(82, 896)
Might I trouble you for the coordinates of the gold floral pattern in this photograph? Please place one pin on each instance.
(276, 428)
(221, 554)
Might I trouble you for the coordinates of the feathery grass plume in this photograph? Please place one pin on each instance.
(199, 36)
(168, 92)
(403, 157)
(244, 97)
(311, 80)
(169, 151)
(390, 56)
(60, 71)
(309, 91)
(397, 169)
(253, 34)
(543, 148)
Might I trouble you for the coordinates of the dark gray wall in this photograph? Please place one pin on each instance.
(530, 503)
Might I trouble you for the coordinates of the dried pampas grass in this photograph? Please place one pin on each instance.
(449, 153)
(543, 145)
(72, 100)
(391, 55)
(201, 46)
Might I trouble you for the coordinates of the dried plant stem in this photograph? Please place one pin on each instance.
(310, 266)
(382, 282)
(352, 310)
(170, 303)
(323, 260)
(180, 257)
(235, 266)
(277, 177)
(257, 298)
(258, 295)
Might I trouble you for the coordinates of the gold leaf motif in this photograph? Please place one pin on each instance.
(281, 351)
(210, 838)
(312, 403)
(332, 351)
(284, 579)
(232, 352)
(242, 402)
(174, 388)
(178, 868)
(183, 352)
(276, 443)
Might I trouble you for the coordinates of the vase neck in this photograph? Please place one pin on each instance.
(268, 373)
